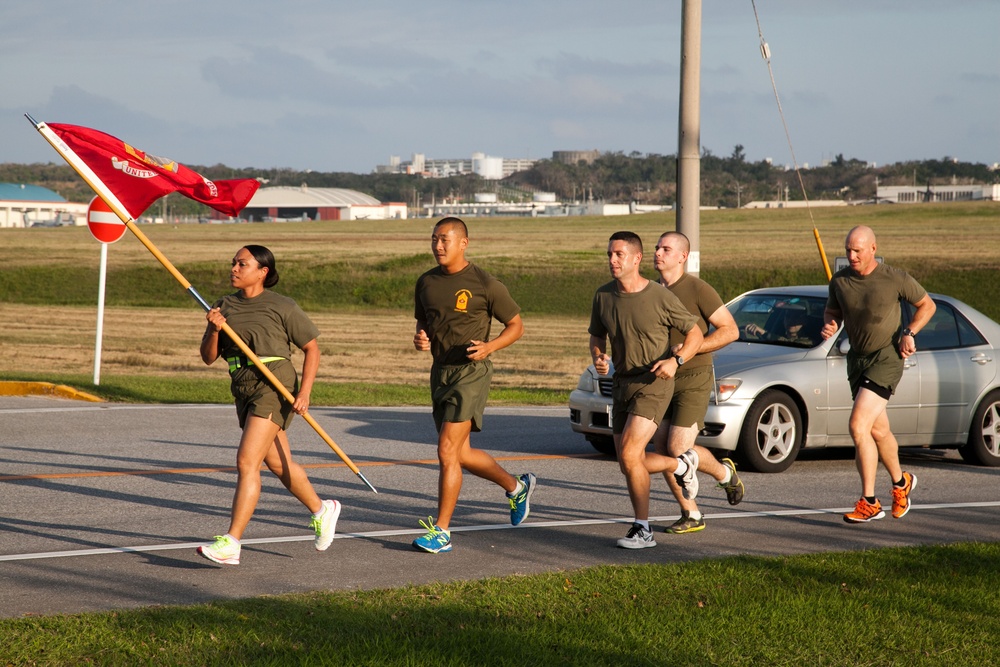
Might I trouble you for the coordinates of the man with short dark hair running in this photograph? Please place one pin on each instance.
(637, 315)
(455, 303)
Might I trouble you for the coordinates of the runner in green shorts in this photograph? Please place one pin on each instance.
(454, 305)
(269, 324)
(693, 381)
(636, 316)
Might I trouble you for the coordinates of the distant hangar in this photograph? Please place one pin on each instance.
(283, 203)
(24, 205)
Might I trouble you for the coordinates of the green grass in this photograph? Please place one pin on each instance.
(175, 389)
(910, 606)
(931, 605)
(551, 266)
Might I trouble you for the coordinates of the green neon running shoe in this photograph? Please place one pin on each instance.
(224, 551)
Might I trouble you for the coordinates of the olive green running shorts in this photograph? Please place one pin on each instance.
(690, 401)
(644, 395)
(884, 367)
(256, 396)
(459, 393)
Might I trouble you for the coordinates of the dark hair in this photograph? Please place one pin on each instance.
(265, 258)
(629, 237)
(458, 222)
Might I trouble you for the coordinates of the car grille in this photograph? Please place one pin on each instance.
(605, 386)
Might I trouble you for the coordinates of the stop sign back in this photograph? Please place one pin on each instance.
(103, 223)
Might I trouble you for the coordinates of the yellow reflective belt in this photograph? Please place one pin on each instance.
(236, 363)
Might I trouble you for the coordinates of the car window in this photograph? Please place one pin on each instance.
(941, 332)
(779, 319)
(947, 329)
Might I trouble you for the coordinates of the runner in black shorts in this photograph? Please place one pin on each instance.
(866, 296)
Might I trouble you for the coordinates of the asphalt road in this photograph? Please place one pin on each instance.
(102, 506)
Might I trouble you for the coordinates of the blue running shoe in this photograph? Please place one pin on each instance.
(435, 541)
(520, 501)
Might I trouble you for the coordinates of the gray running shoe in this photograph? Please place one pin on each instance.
(689, 480)
(734, 489)
(637, 538)
(686, 524)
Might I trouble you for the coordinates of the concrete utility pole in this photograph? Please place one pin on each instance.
(689, 133)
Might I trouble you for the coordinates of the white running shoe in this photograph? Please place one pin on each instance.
(689, 480)
(637, 538)
(224, 551)
(325, 524)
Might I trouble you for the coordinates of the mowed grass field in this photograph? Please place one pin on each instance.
(930, 605)
(355, 278)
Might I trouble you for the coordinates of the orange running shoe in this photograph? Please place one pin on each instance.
(865, 512)
(901, 496)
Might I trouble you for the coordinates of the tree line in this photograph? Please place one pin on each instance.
(613, 177)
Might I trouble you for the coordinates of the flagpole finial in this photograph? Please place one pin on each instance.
(32, 120)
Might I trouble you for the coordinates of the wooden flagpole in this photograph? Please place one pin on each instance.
(98, 186)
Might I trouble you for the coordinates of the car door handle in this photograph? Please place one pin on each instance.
(982, 359)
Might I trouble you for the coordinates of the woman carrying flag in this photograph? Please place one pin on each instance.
(269, 324)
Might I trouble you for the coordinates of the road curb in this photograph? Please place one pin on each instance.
(45, 389)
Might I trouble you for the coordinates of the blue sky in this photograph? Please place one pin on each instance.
(331, 85)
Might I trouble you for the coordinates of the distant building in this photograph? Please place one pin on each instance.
(32, 205)
(284, 203)
(486, 166)
(542, 205)
(575, 157)
(798, 203)
(917, 194)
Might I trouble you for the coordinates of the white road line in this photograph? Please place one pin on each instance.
(106, 407)
(468, 529)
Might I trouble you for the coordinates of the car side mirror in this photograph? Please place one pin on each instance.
(844, 346)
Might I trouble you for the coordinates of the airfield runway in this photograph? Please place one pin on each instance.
(102, 506)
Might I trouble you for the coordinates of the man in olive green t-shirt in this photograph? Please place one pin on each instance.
(454, 305)
(637, 315)
(694, 381)
(866, 296)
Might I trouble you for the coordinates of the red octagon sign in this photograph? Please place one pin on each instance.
(104, 224)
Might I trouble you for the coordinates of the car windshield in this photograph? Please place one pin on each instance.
(779, 319)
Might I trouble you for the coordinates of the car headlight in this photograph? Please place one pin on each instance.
(586, 382)
(724, 389)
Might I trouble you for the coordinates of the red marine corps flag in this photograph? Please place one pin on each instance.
(139, 179)
(129, 180)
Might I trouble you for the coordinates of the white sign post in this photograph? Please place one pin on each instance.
(106, 228)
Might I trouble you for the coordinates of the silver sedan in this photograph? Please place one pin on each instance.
(780, 388)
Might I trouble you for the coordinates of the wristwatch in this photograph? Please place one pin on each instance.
(679, 359)
(908, 332)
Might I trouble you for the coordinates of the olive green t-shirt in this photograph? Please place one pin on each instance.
(870, 305)
(638, 324)
(268, 323)
(702, 301)
(457, 308)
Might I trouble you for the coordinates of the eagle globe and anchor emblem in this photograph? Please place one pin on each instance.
(462, 297)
